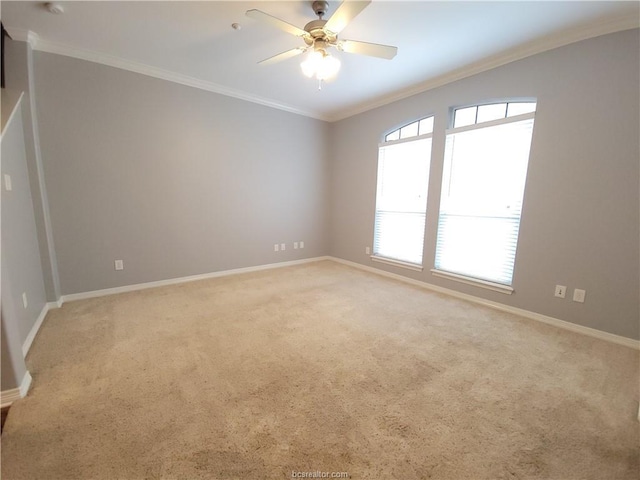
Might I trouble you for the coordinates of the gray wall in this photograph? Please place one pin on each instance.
(12, 368)
(580, 219)
(20, 262)
(176, 181)
(173, 180)
(19, 59)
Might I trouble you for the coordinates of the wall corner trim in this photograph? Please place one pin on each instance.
(10, 396)
(16, 107)
(22, 35)
(591, 332)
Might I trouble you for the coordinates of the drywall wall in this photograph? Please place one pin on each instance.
(579, 224)
(21, 266)
(12, 368)
(19, 62)
(172, 180)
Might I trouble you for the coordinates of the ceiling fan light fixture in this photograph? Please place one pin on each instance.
(320, 65)
(328, 68)
(310, 65)
(320, 35)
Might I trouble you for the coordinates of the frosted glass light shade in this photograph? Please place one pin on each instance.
(322, 66)
(328, 67)
(311, 64)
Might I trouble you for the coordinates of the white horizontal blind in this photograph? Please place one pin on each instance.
(483, 183)
(401, 201)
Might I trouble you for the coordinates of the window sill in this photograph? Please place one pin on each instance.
(397, 263)
(496, 287)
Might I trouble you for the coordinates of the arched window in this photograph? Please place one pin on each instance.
(404, 159)
(420, 127)
(483, 182)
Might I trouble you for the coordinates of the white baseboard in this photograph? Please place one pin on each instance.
(9, 396)
(36, 326)
(191, 278)
(592, 332)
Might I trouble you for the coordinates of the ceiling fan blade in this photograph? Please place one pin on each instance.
(346, 12)
(282, 56)
(370, 49)
(276, 22)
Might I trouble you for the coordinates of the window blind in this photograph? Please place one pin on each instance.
(401, 200)
(483, 185)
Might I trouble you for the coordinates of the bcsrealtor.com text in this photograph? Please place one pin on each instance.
(319, 474)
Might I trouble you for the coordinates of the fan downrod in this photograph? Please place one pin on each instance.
(320, 8)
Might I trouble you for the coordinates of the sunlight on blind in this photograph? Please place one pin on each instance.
(483, 184)
(401, 201)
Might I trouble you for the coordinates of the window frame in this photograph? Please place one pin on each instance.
(458, 277)
(399, 129)
(506, 103)
(386, 143)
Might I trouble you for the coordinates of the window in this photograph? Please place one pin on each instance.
(421, 127)
(484, 174)
(401, 200)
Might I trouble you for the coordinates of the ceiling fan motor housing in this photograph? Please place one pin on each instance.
(319, 37)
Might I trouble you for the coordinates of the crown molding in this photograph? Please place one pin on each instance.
(518, 53)
(529, 49)
(47, 46)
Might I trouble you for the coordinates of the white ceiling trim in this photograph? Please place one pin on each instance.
(532, 48)
(518, 53)
(37, 43)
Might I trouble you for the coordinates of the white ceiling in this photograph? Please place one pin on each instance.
(193, 43)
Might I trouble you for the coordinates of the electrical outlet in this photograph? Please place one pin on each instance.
(301, 244)
(119, 264)
(367, 250)
(276, 247)
(283, 247)
(561, 291)
(24, 300)
(7, 182)
(578, 295)
(295, 245)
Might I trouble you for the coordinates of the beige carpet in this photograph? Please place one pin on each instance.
(317, 368)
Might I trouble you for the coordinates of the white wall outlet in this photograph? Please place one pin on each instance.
(7, 182)
(367, 250)
(301, 244)
(578, 295)
(24, 300)
(119, 265)
(295, 245)
(276, 247)
(561, 291)
(283, 246)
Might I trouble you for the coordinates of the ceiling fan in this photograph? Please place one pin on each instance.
(320, 35)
